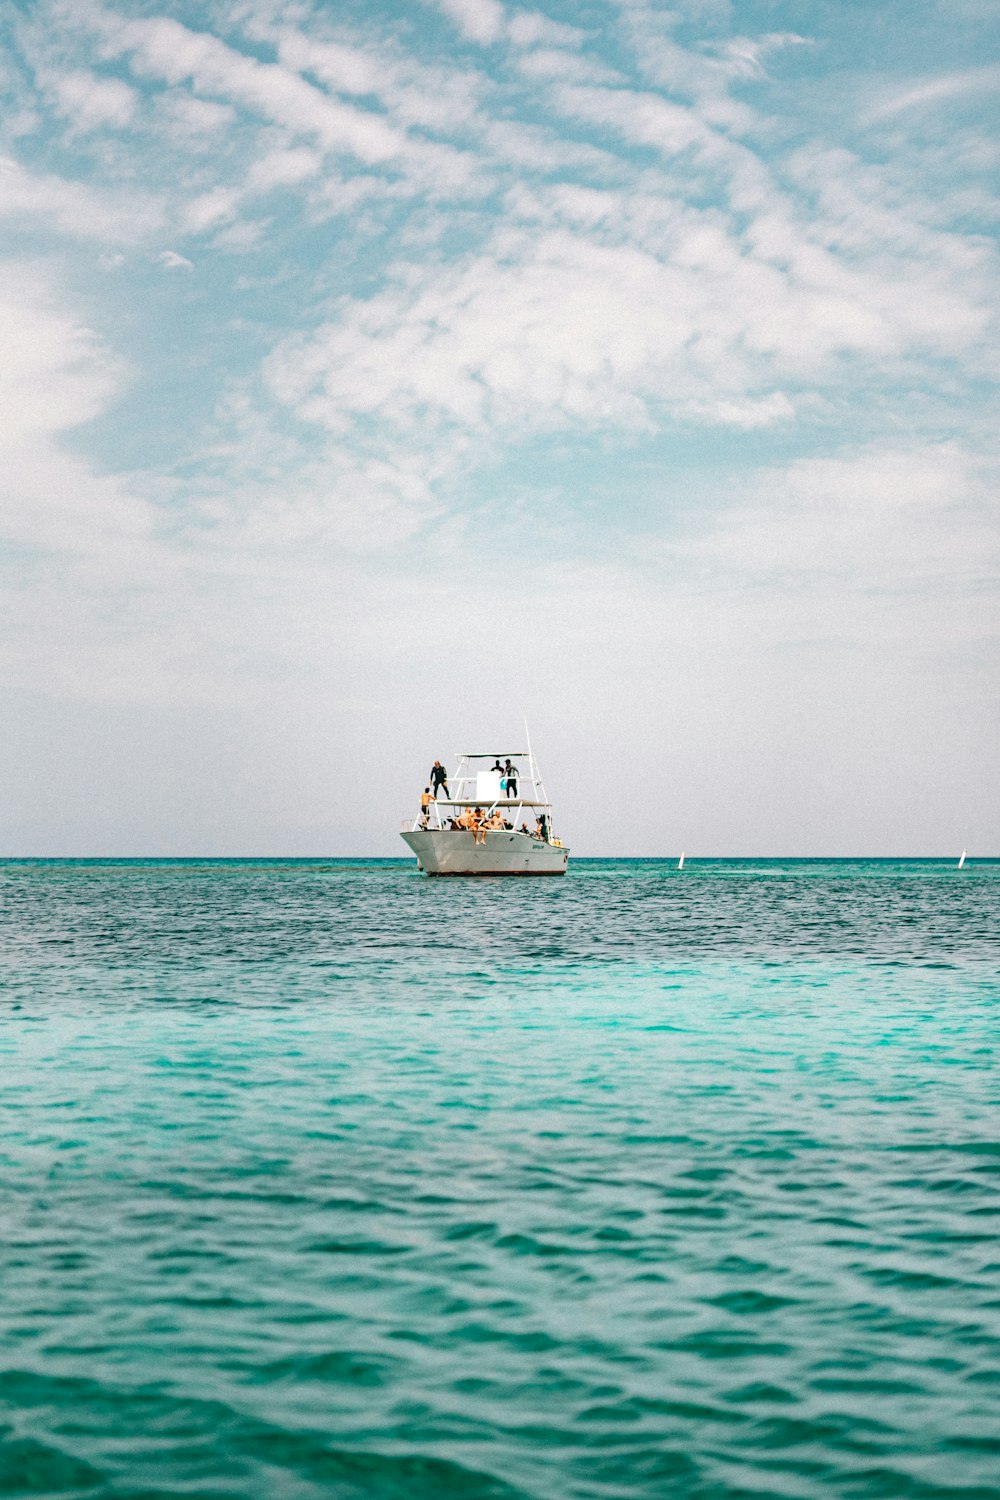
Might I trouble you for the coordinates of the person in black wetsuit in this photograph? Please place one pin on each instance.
(439, 779)
(510, 773)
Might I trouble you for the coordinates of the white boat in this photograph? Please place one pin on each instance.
(525, 845)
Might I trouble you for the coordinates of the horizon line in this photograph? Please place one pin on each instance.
(407, 859)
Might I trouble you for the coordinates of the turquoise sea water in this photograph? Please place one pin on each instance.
(323, 1179)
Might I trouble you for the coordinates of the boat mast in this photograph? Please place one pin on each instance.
(536, 778)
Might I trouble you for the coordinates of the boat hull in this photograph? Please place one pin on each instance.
(449, 851)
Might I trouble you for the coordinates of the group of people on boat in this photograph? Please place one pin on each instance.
(439, 779)
(476, 821)
(508, 776)
(479, 820)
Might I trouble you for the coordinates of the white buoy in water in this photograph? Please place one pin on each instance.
(962, 860)
(680, 862)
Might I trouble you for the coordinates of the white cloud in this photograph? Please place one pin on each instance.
(55, 373)
(90, 101)
(283, 168)
(529, 28)
(443, 98)
(481, 21)
(646, 119)
(745, 57)
(171, 261)
(746, 413)
(239, 238)
(75, 209)
(541, 149)
(558, 65)
(348, 70)
(218, 206)
(192, 121)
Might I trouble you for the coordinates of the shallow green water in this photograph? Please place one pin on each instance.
(324, 1179)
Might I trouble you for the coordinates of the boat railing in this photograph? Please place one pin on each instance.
(435, 825)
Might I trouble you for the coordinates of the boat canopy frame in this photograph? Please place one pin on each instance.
(491, 754)
(465, 778)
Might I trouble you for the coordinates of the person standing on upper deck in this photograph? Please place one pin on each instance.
(510, 776)
(439, 779)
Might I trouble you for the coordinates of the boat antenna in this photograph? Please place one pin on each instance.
(536, 781)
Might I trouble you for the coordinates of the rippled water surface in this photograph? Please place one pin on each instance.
(329, 1180)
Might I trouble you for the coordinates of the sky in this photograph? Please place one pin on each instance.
(376, 373)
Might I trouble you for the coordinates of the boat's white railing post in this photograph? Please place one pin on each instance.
(463, 776)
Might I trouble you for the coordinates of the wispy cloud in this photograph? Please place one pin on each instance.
(938, 90)
(164, 49)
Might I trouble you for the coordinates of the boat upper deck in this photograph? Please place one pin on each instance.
(509, 785)
(499, 800)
